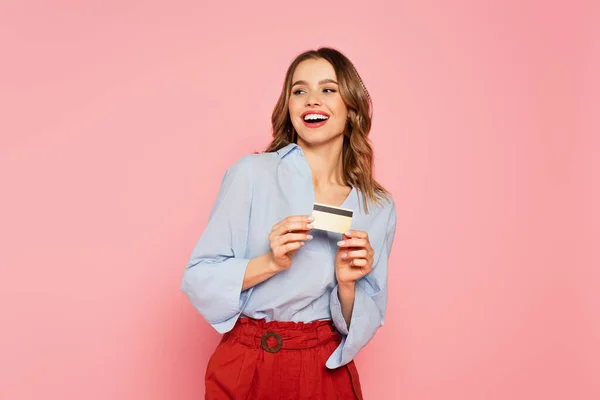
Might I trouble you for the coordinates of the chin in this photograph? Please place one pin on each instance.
(316, 139)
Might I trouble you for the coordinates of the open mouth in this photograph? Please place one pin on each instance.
(314, 120)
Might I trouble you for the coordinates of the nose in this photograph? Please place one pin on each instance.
(313, 99)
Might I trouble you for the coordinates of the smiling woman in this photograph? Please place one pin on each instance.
(296, 304)
(316, 102)
(323, 90)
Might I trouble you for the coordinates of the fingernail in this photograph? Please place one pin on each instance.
(309, 237)
(341, 243)
(310, 226)
(348, 233)
(301, 243)
(344, 255)
(311, 218)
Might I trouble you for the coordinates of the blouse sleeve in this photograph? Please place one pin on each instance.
(370, 302)
(214, 275)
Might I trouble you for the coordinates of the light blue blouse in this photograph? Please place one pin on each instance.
(257, 192)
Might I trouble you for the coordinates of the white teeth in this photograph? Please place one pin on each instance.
(315, 117)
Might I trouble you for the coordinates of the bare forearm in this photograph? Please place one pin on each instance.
(259, 269)
(346, 294)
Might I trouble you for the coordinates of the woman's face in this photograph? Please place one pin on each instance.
(316, 108)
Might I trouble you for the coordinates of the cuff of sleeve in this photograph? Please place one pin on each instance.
(365, 322)
(336, 312)
(217, 295)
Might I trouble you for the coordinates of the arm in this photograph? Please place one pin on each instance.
(219, 277)
(346, 294)
(286, 237)
(214, 277)
(357, 314)
(259, 269)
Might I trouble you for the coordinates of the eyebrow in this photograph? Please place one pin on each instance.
(322, 82)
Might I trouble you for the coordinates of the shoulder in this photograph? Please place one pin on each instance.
(388, 210)
(390, 206)
(254, 160)
(385, 207)
(387, 203)
(251, 167)
(380, 220)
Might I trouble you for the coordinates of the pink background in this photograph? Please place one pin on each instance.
(118, 119)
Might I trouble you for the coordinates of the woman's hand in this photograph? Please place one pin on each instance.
(286, 237)
(354, 258)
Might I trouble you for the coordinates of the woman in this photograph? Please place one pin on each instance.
(297, 304)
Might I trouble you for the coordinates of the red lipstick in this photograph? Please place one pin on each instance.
(314, 118)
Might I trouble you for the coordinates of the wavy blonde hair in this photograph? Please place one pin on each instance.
(357, 152)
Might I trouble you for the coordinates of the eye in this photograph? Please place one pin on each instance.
(329, 90)
(297, 92)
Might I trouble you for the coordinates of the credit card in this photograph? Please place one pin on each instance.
(332, 219)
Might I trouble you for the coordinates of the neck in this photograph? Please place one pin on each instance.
(325, 161)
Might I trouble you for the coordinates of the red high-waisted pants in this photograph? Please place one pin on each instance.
(279, 360)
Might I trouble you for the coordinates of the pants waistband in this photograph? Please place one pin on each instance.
(276, 335)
